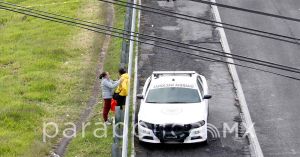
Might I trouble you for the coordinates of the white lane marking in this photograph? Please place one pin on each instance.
(240, 93)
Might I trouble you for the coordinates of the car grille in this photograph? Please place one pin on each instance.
(171, 132)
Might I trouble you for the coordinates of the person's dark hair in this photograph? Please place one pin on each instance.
(103, 74)
(122, 71)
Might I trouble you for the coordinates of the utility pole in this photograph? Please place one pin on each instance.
(127, 104)
(125, 43)
(119, 118)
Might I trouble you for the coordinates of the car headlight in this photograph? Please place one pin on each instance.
(198, 124)
(146, 125)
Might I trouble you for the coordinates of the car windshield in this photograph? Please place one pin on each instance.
(173, 95)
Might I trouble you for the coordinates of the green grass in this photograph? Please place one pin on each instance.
(47, 71)
(113, 56)
(90, 145)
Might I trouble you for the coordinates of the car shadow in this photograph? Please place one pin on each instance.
(180, 146)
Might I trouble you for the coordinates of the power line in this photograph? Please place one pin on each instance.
(204, 19)
(92, 28)
(248, 10)
(214, 54)
(152, 40)
(202, 47)
(171, 42)
(236, 28)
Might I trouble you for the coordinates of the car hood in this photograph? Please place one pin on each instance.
(178, 113)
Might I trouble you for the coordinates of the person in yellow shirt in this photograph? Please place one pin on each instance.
(122, 89)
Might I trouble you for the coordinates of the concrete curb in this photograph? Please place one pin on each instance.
(135, 82)
(254, 144)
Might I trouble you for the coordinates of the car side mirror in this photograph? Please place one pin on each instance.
(140, 96)
(207, 97)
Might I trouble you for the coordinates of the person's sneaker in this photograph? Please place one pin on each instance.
(107, 123)
(110, 120)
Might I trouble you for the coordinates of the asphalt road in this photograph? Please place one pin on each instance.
(274, 102)
(223, 107)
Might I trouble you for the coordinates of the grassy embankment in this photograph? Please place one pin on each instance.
(47, 71)
(90, 145)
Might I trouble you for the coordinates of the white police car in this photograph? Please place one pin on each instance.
(174, 108)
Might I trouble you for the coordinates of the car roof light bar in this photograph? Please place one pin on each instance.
(156, 74)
